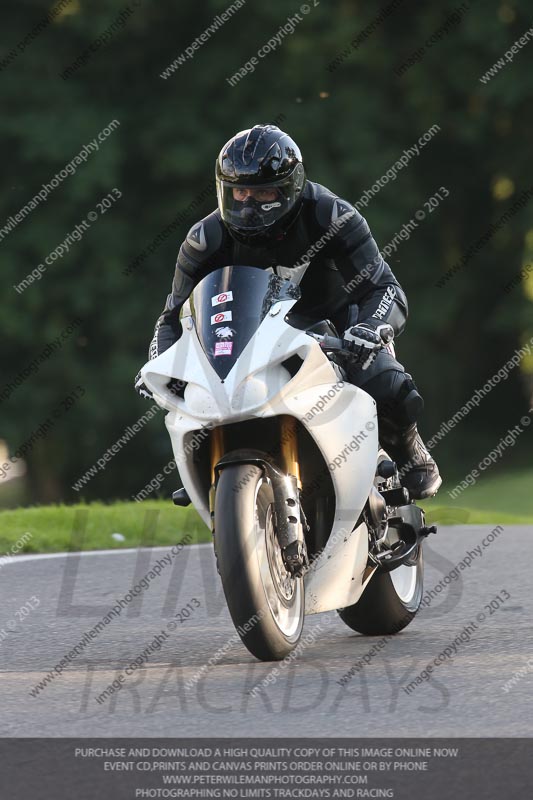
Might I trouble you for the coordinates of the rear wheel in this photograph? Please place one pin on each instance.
(265, 602)
(391, 599)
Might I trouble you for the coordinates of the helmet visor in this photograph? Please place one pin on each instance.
(253, 208)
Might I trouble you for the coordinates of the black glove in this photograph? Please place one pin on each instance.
(141, 388)
(364, 342)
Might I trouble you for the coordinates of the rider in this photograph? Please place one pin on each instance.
(270, 215)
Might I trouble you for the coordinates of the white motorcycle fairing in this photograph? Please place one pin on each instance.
(259, 386)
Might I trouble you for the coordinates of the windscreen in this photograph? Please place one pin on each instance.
(228, 307)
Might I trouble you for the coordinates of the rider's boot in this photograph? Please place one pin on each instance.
(419, 473)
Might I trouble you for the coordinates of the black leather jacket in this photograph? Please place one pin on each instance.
(329, 247)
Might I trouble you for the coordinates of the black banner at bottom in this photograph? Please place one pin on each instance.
(126, 769)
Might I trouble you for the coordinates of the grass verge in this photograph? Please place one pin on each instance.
(502, 499)
(91, 527)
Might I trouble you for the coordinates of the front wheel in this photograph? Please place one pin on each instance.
(265, 602)
(391, 599)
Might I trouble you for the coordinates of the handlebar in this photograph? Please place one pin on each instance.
(336, 348)
(331, 343)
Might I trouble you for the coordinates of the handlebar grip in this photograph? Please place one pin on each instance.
(332, 343)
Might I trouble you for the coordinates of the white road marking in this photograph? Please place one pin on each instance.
(42, 556)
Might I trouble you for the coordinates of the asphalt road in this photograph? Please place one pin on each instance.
(464, 696)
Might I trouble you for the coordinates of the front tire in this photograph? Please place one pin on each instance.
(265, 602)
(389, 602)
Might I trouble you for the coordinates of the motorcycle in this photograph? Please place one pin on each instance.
(281, 458)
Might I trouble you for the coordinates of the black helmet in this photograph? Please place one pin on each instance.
(260, 180)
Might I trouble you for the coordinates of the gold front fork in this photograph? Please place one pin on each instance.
(289, 455)
(217, 451)
(289, 447)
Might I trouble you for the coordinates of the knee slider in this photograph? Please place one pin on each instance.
(410, 401)
(403, 404)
